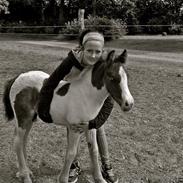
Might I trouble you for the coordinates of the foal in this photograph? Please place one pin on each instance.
(73, 105)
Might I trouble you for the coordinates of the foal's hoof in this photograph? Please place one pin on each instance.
(100, 181)
(27, 180)
(24, 173)
(59, 180)
(25, 176)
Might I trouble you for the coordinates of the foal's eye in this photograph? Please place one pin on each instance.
(112, 78)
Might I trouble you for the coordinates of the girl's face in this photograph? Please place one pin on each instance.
(92, 52)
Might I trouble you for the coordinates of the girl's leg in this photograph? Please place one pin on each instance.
(106, 168)
(103, 145)
(93, 149)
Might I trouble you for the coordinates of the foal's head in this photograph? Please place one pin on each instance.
(116, 81)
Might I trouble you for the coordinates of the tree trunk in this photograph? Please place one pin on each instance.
(61, 19)
(81, 13)
(94, 7)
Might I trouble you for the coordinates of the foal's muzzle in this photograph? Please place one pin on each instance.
(127, 105)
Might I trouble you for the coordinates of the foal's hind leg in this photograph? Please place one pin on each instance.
(20, 149)
(24, 106)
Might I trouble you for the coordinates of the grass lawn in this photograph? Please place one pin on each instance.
(145, 145)
(151, 44)
(146, 43)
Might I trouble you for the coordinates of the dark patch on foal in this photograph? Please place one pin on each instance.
(63, 90)
(25, 104)
(113, 82)
(45, 80)
(98, 75)
(6, 99)
(78, 127)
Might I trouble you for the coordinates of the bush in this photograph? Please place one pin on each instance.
(132, 25)
(72, 29)
(154, 26)
(22, 27)
(111, 29)
(175, 30)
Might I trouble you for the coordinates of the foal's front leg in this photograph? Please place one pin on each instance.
(73, 138)
(93, 149)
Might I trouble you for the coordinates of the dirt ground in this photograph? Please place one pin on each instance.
(145, 145)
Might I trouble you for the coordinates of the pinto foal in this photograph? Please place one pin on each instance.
(73, 105)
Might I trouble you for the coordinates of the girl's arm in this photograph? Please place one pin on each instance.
(61, 71)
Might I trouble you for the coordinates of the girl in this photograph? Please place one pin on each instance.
(91, 44)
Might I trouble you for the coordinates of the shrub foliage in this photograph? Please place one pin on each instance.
(110, 28)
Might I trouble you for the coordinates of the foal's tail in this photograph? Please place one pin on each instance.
(9, 114)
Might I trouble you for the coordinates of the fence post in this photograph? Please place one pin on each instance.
(81, 13)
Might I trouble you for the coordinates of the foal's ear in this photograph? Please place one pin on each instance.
(122, 58)
(110, 57)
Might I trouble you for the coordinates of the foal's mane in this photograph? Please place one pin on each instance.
(98, 73)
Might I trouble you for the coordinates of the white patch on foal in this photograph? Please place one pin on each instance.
(28, 79)
(128, 100)
(77, 106)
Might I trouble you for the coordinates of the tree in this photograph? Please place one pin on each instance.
(174, 8)
(94, 7)
(4, 7)
(61, 18)
(29, 11)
